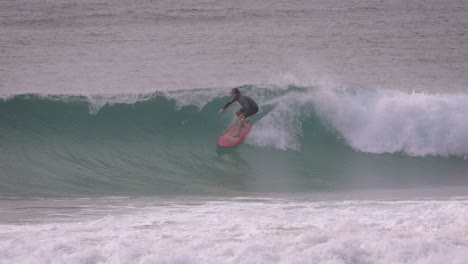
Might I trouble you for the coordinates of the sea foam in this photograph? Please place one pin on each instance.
(247, 231)
(383, 121)
(372, 121)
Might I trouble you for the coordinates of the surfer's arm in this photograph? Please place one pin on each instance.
(228, 104)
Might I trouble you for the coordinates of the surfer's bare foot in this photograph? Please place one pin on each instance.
(236, 135)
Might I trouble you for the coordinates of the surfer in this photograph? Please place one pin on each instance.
(249, 107)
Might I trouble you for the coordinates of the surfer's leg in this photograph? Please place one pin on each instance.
(249, 113)
(241, 124)
(241, 115)
(239, 112)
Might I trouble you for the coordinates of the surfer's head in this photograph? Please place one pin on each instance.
(235, 92)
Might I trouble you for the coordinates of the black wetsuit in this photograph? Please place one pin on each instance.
(249, 107)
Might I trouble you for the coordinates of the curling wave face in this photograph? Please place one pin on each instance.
(304, 138)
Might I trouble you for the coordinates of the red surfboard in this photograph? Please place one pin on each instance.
(227, 140)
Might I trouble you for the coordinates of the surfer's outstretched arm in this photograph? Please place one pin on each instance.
(227, 105)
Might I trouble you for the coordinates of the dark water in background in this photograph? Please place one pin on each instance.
(94, 46)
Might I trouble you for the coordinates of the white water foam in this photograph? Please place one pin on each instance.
(384, 121)
(281, 127)
(373, 121)
(248, 231)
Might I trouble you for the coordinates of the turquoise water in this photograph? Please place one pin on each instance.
(162, 144)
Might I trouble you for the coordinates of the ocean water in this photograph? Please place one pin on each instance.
(108, 127)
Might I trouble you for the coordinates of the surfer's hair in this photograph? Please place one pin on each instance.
(235, 91)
